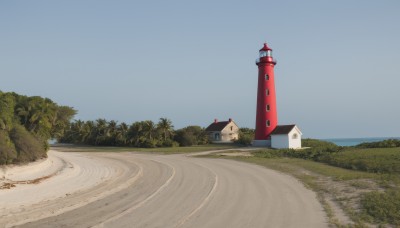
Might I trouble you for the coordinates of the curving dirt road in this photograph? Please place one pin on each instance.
(141, 190)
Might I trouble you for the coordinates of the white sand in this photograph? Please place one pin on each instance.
(69, 174)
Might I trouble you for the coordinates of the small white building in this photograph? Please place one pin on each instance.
(223, 131)
(286, 136)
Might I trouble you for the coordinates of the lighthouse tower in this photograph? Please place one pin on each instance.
(266, 116)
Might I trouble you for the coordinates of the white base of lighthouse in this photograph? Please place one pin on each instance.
(261, 143)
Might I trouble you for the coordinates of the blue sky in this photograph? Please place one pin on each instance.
(193, 61)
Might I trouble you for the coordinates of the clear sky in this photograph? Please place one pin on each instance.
(193, 61)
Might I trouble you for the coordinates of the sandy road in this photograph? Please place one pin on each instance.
(140, 190)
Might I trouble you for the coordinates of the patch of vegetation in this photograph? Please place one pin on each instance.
(382, 207)
(389, 143)
(28, 147)
(26, 124)
(375, 160)
(246, 136)
(141, 134)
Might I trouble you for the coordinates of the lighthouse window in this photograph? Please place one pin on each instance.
(266, 77)
(267, 108)
(268, 123)
(267, 92)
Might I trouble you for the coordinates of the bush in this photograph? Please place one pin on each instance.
(383, 207)
(245, 139)
(27, 146)
(7, 149)
(170, 143)
(376, 160)
(191, 135)
(389, 143)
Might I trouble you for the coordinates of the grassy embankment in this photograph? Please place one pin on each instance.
(162, 150)
(357, 186)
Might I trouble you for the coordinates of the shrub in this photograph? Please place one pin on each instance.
(377, 160)
(389, 143)
(383, 207)
(317, 143)
(7, 149)
(245, 138)
(27, 146)
(191, 135)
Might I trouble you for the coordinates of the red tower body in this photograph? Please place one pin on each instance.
(266, 117)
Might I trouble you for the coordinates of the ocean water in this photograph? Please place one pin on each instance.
(356, 141)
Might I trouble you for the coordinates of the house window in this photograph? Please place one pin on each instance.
(268, 108)
(267, 77)
(268, 123)
(217, 136)
(231, 128)
(295, 136)
(267, 92)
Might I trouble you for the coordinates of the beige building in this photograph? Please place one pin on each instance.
(223, 131)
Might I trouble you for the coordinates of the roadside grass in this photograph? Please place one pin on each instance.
(162, 150)
(376, 160)
(351, 198)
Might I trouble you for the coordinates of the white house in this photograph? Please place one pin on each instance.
(223, 131)
(286, 136)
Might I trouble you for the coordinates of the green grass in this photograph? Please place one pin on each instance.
(163, 150)
(293, 164)
(376, 160)
(382, 207)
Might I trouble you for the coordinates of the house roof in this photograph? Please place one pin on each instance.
(219, 126)
(283, 129)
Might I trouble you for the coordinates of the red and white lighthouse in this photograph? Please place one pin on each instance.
(266, 117)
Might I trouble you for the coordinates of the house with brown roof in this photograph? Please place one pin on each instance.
(223, 131)
(286, 136)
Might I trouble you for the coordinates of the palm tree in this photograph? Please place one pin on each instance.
(149, 130)
(166, 127)
(135, 133)
(101, 131)
(121, 134)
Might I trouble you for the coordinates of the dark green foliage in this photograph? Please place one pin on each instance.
(382, 207)
(145, 134)
(27, 146)
(7, 149)
(246, 136)
(191, 135)
(317, 143)
(32, 121)
(389, 143)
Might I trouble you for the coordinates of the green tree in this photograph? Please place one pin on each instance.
(166, 128)
(191, 135)
(121, 135)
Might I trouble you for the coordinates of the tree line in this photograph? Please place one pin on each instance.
(26, 125)
(28, 122)
(138, 134)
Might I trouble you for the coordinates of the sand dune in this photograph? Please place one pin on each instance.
(139, 190)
